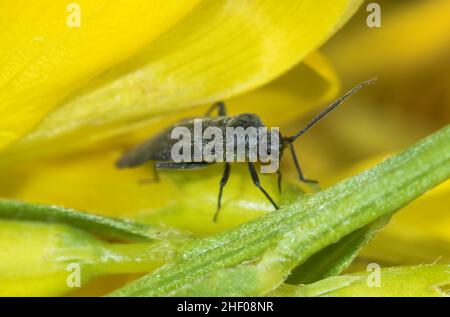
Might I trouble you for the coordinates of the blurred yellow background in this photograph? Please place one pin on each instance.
(410, 54)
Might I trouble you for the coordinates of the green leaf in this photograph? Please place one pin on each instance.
(36, 258)
(426, 280)
(39, 242)
(333, 259)
(107, 227)
(256, 257)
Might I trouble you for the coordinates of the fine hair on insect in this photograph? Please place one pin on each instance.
(160, 148)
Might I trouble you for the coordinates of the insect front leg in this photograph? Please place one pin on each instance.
(220, 109)
(223, 181)
(255, 178)
(279, 180)
(298, 168)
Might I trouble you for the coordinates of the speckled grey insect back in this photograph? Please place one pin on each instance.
(227, 142)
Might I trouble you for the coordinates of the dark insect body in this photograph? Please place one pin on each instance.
(159, 148)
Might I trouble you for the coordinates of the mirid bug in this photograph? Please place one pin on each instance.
(159, 148)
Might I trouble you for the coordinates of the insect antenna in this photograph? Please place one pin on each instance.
(316, 119)
(328, 109)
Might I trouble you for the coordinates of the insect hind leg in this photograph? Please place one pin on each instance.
(155, 178)
(221, 109)
(223, 182)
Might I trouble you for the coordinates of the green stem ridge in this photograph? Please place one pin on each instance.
(333, 259)
(107, 227)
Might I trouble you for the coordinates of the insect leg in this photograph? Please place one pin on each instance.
(298, 168)
(279, 180)
(255, 179)
(155, 178)
(223, 181)
(220, 109)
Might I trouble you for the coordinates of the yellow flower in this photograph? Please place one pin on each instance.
(73, 99)
(43, 59)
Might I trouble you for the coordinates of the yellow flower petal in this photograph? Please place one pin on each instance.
(220, 49)
(43, 60)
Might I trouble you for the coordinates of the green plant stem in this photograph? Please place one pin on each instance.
(106, 227)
